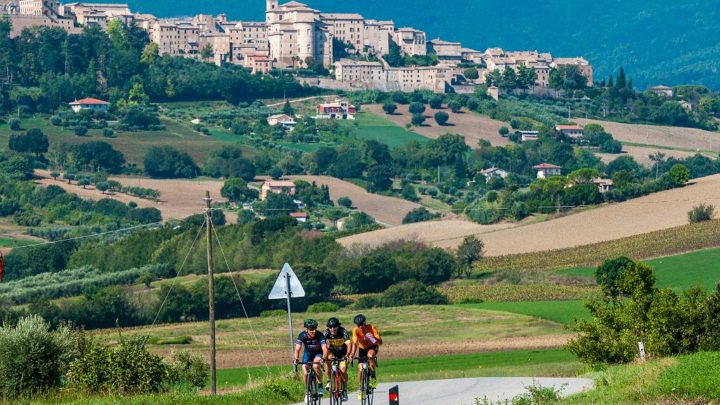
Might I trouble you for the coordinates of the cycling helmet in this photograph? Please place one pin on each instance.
(359, 320)
(333, 322)
(310, 324)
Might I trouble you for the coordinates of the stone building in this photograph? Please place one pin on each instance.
(411, 41)
(296, 33)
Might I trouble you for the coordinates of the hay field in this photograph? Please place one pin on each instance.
(472, 126)
(641, 154)
(687, 139)
(655, 212)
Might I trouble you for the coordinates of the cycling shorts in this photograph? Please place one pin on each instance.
(311, 356)
(363, 353)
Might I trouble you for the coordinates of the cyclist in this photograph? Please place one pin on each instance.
(315, 351)
(366, 338)
(339, 346)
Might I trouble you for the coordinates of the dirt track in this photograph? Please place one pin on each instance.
(658, 211)
(473, 127)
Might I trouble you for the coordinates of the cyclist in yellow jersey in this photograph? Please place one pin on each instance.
(339, 345)
(367, 341)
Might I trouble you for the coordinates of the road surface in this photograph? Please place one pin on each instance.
(465, 391)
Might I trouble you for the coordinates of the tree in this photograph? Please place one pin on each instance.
(441, 117)
(166, 162)
(435, 102)
(416, 108)
(455, 106)
(97, 156)
(568, 78)
(207, 52)
(470, 251)
(359, 220)
(278, 205)
(14, 124)
(471, 73)
(236, 190)
(287, 109)
(679, 174)
(84, 182)
(34, 141)
(103, 186)
(389, 108)
(503, 131)
(417, 119)
(419, 215)
(345, 202)
(54, 175)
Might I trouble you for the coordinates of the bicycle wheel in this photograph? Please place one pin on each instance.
(334, 389)
(365, 386)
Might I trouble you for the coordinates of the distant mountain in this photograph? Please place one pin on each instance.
(658, 42)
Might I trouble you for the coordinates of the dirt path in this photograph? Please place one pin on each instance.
(178, 198)
(654, 212)
(472, 126)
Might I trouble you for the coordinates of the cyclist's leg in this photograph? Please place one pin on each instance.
(318, 360)
(372, 352)
(305, 359)
(362, 355)
(328, 365)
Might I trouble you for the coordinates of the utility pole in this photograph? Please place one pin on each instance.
(211, 294)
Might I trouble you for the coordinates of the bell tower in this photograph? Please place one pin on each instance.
(270, 5)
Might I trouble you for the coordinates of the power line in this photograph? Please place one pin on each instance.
(86, 236)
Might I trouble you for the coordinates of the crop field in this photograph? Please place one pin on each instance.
(688, 139)
(456, 330)
(134, 144)
(655, 212)
(472, 126)
(563, 312)
(516, 292)
(388, 210)
(178, 198)
(641, 154)
(376, 127)
(694, 269)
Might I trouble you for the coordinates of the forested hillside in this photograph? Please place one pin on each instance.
(662, 41)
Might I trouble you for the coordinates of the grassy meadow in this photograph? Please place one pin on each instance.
(374, 127)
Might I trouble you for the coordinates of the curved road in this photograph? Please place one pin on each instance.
(464, 391)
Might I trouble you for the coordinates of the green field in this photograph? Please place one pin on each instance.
(563, 312)
(371, 126)
(695, 269)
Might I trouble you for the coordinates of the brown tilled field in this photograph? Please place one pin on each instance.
(655, 212)
(388, 210)
(472, 126)
(642, 154)
(689, 139)
(178, 198)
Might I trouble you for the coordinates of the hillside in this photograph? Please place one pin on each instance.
(657, 42)
(642, 215)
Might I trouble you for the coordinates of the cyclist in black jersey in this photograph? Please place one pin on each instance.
(315, 350)
(339, 345)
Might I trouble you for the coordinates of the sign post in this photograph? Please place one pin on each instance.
(394, 395)
(287, 286)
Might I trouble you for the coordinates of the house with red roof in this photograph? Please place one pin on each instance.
(546, 170)
(89, 104)
(573, 131)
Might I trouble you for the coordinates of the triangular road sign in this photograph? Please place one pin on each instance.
(280, 289)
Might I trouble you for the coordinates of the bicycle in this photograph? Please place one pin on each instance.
(366, 389)
(337, 385)
(311, 385)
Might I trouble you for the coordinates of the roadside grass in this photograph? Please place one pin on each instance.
(563, 312)
(687, 379)
(666, 242)
(371, 126)
(695, 269)
(405, 326)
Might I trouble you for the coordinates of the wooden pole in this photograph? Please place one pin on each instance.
(211, 295)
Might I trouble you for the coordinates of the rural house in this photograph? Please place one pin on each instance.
(284, 120)
(603, 185)
(546, 170)
(529, 135)
(573, 131)
(338, 110)
(662, 91)
(494, 172)
(277, 187)
(300, 216)
(89, 104)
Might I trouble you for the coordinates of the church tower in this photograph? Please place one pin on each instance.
(270, 7)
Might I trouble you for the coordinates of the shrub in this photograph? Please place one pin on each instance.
(435, 102)
(367, 301)
(442, 118)
(108, 133)
(273, 312)
(701, 213)
(455, 106)
(503, 131)
(322, 307)
(55, 121)
(400, 97)
(81, 130)
(417, 119)
(416, 108)
(419, 215)
(32, 357)
(14, 124)
(411, 292)
(187, 369)
(126, 368)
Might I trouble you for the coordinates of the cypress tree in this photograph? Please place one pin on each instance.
(621, 81)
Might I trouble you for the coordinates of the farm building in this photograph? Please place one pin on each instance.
(494, 172)
(89, 104)
(546, 170)
(277, 187)
(300, 216)
(338, 110)
(573, 131)
(284, 120)
(529, 135)
(603, 185)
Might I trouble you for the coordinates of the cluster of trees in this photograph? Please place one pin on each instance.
(54, 67)
(632, 309)
(395, 58)
(511, 79)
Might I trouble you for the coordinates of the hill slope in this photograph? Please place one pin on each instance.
(661, 41)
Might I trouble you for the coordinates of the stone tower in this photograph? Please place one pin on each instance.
(270, 7)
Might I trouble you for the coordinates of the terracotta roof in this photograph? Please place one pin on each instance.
(299, 214)
(279, 183)
(546, 166)
(568, 127)
(89, 101)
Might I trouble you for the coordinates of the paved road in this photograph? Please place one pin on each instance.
(465, 391)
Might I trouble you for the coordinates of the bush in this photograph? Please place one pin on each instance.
(322, 307)
(503, 131)
(419, 215)
(442, 118)
(417, 108)
(417, 119)
(411, 292)
(400, 97)
(33, 358)
(166, 162)
(435, 102)
(81, 130)
(125, 368)
(367, 302)
(345, 202)
(187, 369)
(14, 124)
(108, 133)
(389, 108)
(455, 106)
(55, 121)
(701, 213)
(273, 312)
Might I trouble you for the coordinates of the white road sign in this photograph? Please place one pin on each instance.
(280, 289)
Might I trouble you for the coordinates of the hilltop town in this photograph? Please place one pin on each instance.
(348, 51)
